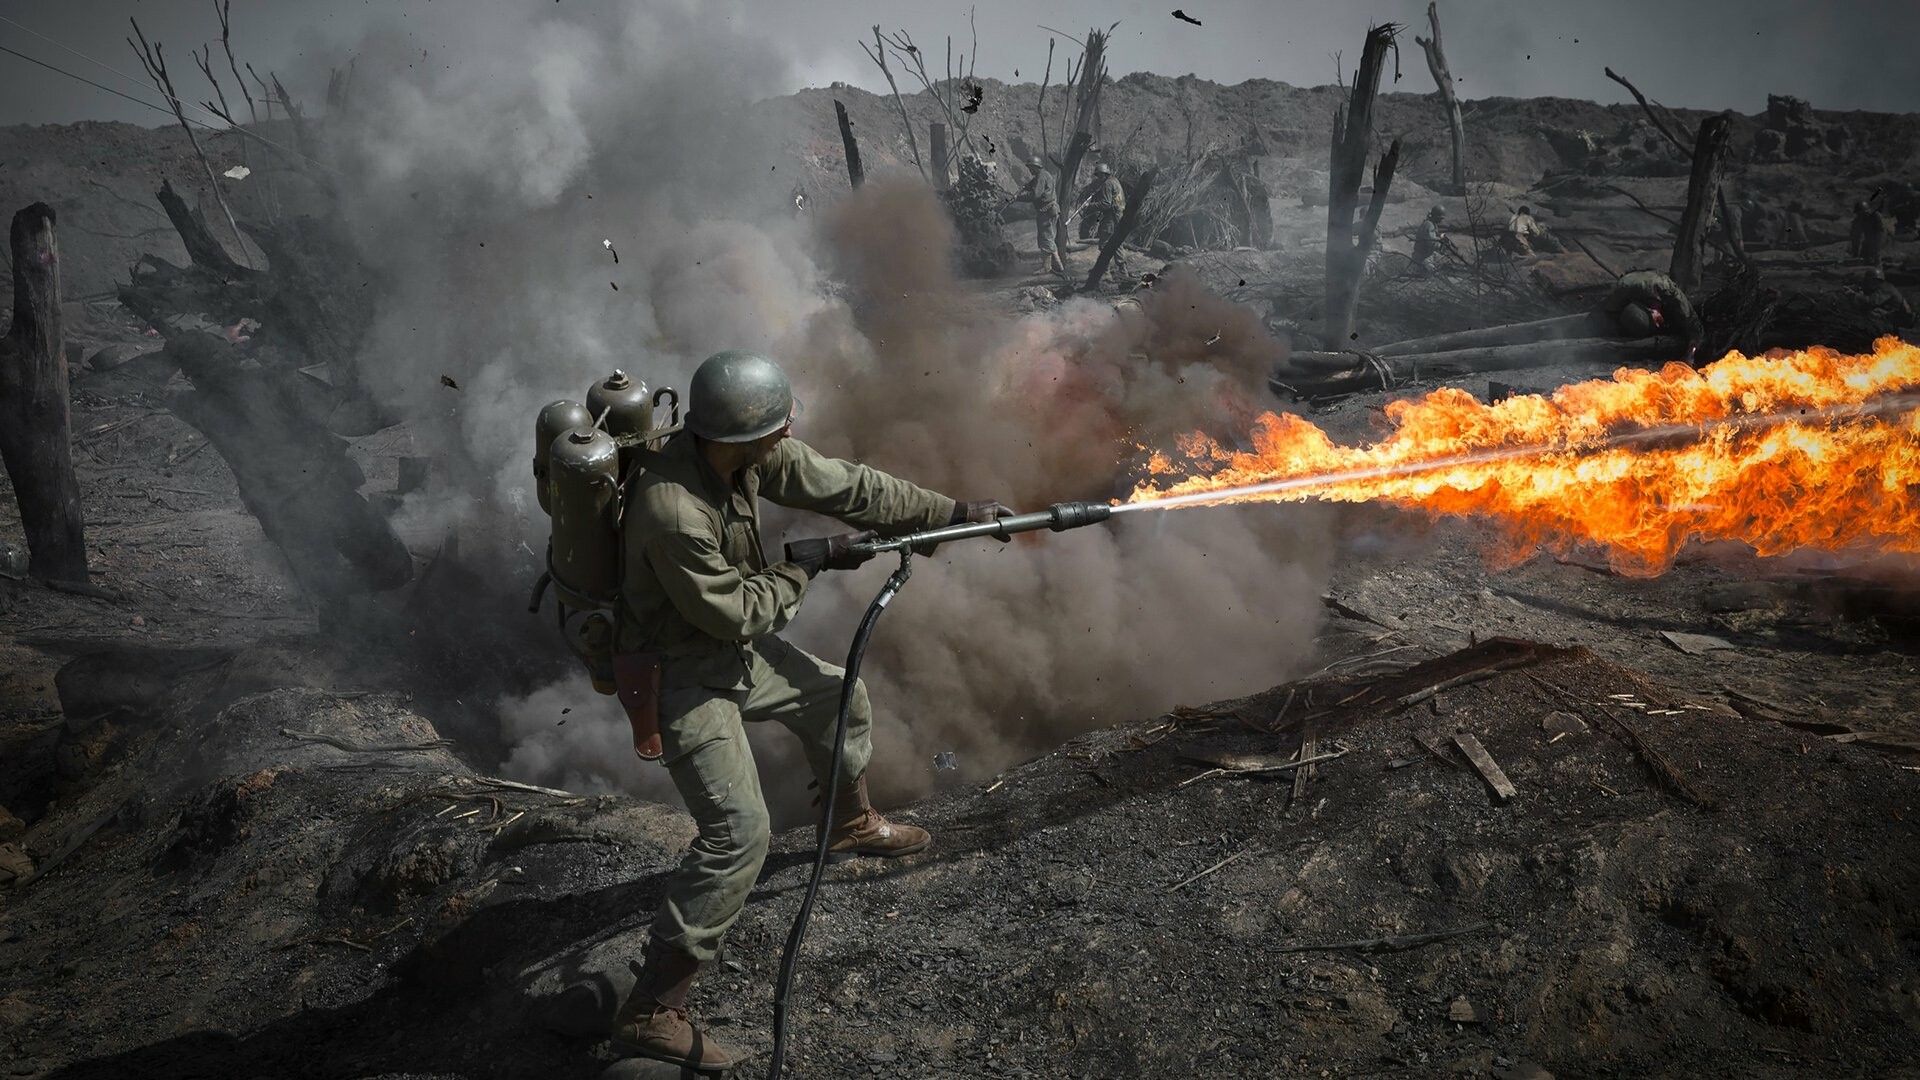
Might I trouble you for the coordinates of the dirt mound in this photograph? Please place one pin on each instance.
(1672, 890)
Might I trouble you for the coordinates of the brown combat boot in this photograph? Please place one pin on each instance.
(860, 830)
(653, 1023)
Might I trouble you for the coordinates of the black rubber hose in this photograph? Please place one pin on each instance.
(783, 989)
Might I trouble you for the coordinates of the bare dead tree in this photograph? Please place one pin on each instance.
(1347, 250)
(1079, 115)
(878, 54)
(946, 92)
(154, 59)
(1443, 79)
(35, 425)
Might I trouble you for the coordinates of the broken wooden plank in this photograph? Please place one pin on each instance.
(1434, 746)
(1488, 768)
(1309, 743)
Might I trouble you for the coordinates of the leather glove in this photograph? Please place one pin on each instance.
(829, 552)
(980, 512)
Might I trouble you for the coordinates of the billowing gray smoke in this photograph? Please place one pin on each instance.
(483, 182)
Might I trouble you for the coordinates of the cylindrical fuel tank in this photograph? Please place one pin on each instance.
(582, 492)
(620, 405)
(555, 420)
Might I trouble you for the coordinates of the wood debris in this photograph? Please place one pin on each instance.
(1488, 768)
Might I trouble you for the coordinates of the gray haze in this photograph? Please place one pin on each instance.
(1851, 54)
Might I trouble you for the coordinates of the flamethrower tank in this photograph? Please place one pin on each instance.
(583, 497)
(620, 405)
(555, 420)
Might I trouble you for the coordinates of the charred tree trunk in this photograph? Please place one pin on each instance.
(276, 427)
(1122, 228)
(1442, 78)
(294, 474)
(937, 139)
(855, 175)
(1703, 187)
(1352, 135)
(35, 425)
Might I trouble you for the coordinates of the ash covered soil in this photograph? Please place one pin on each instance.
(239, 847)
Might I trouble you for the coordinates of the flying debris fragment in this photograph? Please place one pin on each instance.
(238, 172)
(975, 94)
(447, 381)
(608, 244)
(1184, 17)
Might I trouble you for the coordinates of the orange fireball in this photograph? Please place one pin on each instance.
(1791, 451)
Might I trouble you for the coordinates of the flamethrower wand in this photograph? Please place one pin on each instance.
(1059, 517)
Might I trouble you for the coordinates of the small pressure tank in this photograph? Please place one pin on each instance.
(619, 404)
(583, 498)
(555, 420)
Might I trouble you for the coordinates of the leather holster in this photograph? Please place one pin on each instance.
(636, 678)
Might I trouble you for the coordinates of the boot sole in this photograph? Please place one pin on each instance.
(876, 853)
(633, 1050)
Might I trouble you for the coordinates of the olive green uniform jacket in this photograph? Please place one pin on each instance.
(697, 587)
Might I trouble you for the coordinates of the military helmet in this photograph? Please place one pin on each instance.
(1524, 210)
(1636, 321)
(738, 396)
(1034, 163)
(1437, 212)
(1102, 169)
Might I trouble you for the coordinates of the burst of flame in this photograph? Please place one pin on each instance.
(1841, 478)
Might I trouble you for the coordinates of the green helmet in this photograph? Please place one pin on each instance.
(738, 396)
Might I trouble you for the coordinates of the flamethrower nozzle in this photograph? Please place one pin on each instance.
(1059, 517)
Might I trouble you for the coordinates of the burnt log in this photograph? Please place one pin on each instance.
(1703, 188)
(1364, 372)
(35, 417)
(855, 174)
(1558, 328)
(293, 473)
(1122, 228)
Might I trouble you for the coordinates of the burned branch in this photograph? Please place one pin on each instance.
(878, 54)
(153, 59)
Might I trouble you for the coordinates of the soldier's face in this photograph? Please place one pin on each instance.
(763, 448)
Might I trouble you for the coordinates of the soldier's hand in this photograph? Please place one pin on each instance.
(830, 552)
(980, 512)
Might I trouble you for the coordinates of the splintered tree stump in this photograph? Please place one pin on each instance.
(855, 175)
(1347, 248)
(35, 424)
(1443, 80)
(1703, 187)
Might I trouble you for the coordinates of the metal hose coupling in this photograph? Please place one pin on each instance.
(1072, 515)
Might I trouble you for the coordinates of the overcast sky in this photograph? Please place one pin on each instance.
(1840, 54)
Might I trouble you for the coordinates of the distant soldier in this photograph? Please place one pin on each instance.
(1646, 303)
(1525, 235)
(1039, 190)
(1754, 222)
(1105, 201)
(1429, 239)
(1868, 234)
(1793, 233)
